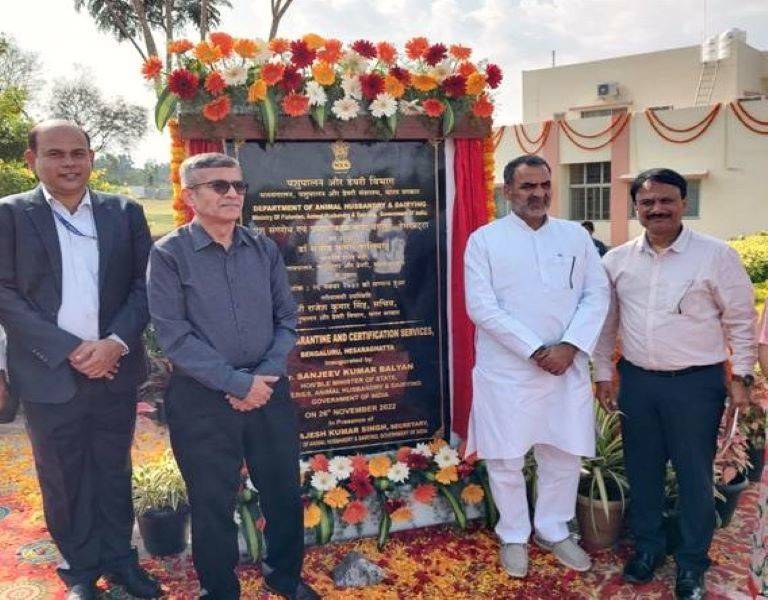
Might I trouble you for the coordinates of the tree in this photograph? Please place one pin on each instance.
(278, 10)
(110, 123)
(19, 68)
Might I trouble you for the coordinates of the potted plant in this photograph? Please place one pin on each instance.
(671, 514)
(602, 489)
(161, 505)
(753, 421)
(153, 389)
(731, 465)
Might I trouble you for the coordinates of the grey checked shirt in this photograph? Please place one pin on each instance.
(221, 315)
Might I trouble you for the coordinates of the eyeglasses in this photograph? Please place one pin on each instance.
(221, 186)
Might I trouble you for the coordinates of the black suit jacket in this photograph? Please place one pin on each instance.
(30, 293)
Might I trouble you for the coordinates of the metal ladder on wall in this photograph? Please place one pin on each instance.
(707, 79)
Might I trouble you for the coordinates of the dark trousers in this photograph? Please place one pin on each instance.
(210, 441)
(672, 418)
(82, 451)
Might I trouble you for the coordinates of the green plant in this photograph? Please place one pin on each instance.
(753, 250)
(732, 458)
(753, 422)
(158, 485)
(603, 477)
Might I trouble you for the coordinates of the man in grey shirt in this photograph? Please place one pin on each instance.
(223, 311)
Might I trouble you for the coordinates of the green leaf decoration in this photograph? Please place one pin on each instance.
(269, 116)
(325, 527)
(249, 532)
(165, 108)
(458, 510)
(392, 123)
(384, 526)
(318, 115)
(449, 119)
(491, 512)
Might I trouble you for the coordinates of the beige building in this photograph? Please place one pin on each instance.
(701, 110)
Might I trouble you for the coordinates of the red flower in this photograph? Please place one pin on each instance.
(460, 52)
(360, 485)
(301, 54)
(360, 465)
(372, 85)
(433, 107)
(272, 73)
(435, 54)
(464, 470)
(295, 105)
(214, 83)
(354, 513)
(364, 48)
(482, 108)
(417, 462)
(402, 453)
(291, 80)
(217, 109)
(223, 41)
(393, 504)
(386, 52)
(331, 53)
(402, 75)
(454, 86)
(318, 462)
(494, 75)
(183, 83)
(152, 67)
(416, 47)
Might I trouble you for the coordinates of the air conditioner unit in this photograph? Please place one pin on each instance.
(609, 89)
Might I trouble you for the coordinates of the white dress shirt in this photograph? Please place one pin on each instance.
(691, 304)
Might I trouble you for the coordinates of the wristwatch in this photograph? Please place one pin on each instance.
(746, 380)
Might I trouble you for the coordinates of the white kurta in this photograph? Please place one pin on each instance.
(526, 288)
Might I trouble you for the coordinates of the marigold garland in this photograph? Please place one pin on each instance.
(705, 124)
(178, 154)
(654, 113)
(540, 141)
(489, 172)
(744, 117)
(587, 136)
(623, 119)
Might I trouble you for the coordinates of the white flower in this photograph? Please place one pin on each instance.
(398, 472)
(423, 449)
(236, 75)
(352, 62)
(249, 484)
(340, 467)
(410, 107)
(323, 481)
(440, 71)
(383, 106)
(351, 86)
(446, 457)
(237, 518)
(316, 94)
(345, 108)
(263, 53)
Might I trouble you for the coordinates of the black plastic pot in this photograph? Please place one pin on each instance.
(757, 458)
(731, 491)
(165, 531)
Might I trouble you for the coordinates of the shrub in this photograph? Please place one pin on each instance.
(753, 250)
(15, 178)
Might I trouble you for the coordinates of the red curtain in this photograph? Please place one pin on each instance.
(469, 213)
(197, 146)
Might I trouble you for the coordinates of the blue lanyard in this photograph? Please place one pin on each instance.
(71, 228)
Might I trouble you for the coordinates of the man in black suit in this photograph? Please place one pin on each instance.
(73, 303)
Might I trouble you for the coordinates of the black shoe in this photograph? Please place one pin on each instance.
(82, 591)
(136, 581)
(302, 592)
(641, 567)
(689, 585)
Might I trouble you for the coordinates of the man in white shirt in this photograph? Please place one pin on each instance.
(538, 295)
(73, 304)
(682, 304)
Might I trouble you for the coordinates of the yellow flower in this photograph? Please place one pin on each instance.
(475, 84)
(402, 514)
(436, 444)
(257, 91)
(447, 475)
(314, 41)
(393, 86)
(472, 494)
(323, 73)
(424, 83)
(207, 53)
(336, 498)
(312, 516)
(379, 465)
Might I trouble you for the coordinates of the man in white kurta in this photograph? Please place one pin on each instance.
(538, 296)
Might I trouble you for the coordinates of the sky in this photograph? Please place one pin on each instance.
(518, 35)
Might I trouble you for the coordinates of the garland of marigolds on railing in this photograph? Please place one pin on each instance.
(542, 139)
(705, 124)
(742, 115)
(617, 125)
(542, 135)
(589, 136)
(489, 170)
(178, 154)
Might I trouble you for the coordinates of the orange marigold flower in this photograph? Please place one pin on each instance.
(312, 515)
(314, 41)
(257, 91)
(245, 48)
(393, 87)
(207, 53)
(331, 51)
(214, 83)
(436, 444)
(483, 107)
(460, 52)
(223, 41)
(466, 69)
(379, 465)
(475, 84)
(323, 73)
(295, 105)
(272, 73)
(151, 67)
(472, 494)
(425, 493)
(337, 497)
(386, 52)
(424, 83)
(359, 464)
(180, 46)
(447, 475)
(433, 107)
(279, 45)
(217, 109)
(319, 462)
(416, 47)
(354, 513)
(402, 453)
(402, 514)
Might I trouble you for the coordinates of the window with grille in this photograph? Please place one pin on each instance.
(590, 192)
(692, 211)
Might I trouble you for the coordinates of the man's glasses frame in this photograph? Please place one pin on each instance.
(221, 186)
